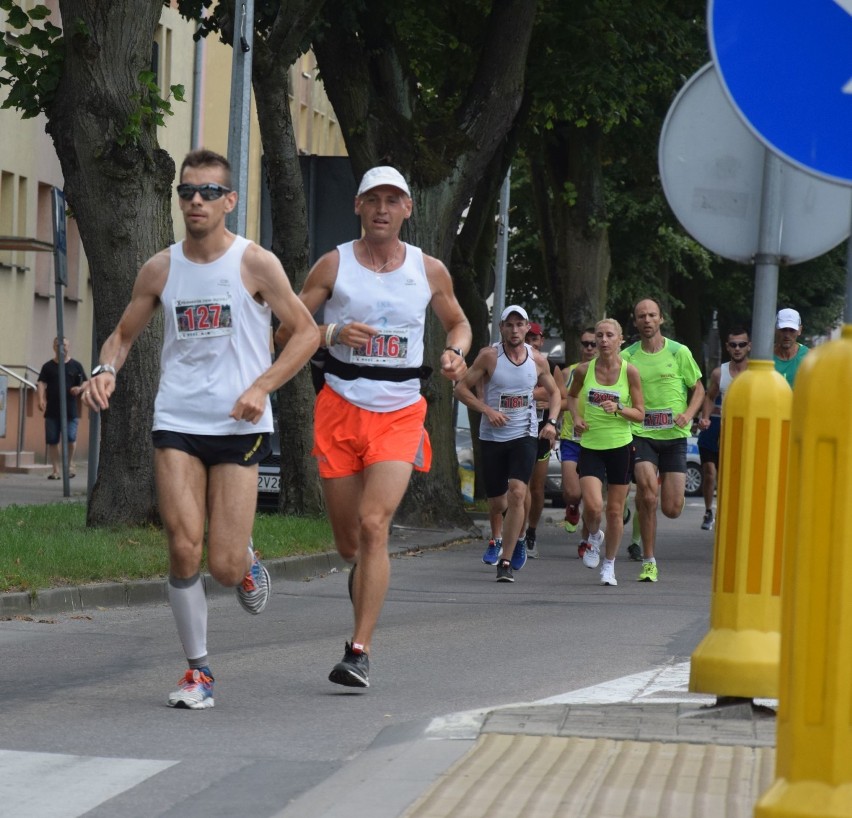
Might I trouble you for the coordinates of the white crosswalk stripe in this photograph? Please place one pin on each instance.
(66, 786)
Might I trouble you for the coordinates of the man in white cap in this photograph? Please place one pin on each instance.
(508, 431)
(788, 352)
(369, 416)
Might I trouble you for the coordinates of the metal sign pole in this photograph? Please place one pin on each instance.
(502, 254)
(61, 274)
(238, 130)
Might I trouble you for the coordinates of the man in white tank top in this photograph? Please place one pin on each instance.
(738, 346)
(368, 418)
(212, 416)
(509, 434)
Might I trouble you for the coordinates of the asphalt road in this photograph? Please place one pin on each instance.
(91, 689)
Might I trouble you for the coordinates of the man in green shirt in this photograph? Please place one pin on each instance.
(671, 384)
(788, 351)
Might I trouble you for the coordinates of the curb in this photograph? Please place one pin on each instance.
(79, 598)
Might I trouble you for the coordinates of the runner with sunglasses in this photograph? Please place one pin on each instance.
(710, 421)
(212, 415)
(569, 447)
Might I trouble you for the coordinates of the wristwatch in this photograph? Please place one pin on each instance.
(619, 406)
(553, 422)
(457, 350)
(101, 368)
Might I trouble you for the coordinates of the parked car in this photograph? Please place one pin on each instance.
(694, 476)
(269, 472)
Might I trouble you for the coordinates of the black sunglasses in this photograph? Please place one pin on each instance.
(589, 344)
(209, 192)
(738, 344)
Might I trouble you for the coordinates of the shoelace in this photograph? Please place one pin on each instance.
(189, 679)
(249, 584)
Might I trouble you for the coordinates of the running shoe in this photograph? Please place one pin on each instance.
(634, 551)
(493, 552)
(195, 691)
(707, 522)
(352, 670)
(572, 518)
(581, 548)
(608, 574)
(648, 573)
(592, 557)
(532, 551)
(519, 555)
(253, 592)
(504, 571)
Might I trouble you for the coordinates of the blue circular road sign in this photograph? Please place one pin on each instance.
(786, 66)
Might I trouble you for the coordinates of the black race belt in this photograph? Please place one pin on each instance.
(351, 372)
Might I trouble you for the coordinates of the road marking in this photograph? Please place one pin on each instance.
(67, 786)
(667, 684)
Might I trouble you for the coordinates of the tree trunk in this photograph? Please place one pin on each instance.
(300, 484)
(120, 197)
(576, 247)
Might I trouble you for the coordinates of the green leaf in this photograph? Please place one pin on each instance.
(39, 13)
(18, 17)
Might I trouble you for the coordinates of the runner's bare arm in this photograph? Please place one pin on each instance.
(143, 302)
(452, 318)
(266, 280)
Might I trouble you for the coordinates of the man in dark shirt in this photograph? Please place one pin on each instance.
(49, 404)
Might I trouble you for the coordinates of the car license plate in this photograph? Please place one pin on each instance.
(268, 482)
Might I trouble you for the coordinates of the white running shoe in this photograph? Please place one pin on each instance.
(608, 574)
(195, 691)
(592, 557)
(254, 591)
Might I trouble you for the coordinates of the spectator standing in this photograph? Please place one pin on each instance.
(48, 396)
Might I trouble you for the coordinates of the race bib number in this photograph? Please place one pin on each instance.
(202, 318)
(511, 404)
(388, 348)
(598, 396)
(659, 419)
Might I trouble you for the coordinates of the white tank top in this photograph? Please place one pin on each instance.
(215, 345)
(510, 390)
(395, 303)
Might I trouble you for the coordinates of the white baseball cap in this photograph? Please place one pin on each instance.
(514, 308)
(383, 175)
(788, 319)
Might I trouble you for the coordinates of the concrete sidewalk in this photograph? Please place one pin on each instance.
(648, 760)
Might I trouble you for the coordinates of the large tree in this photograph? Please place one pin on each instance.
(102, 111)
(602, 74)
(434, 90)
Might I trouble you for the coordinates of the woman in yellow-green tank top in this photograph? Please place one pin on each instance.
(604, 397)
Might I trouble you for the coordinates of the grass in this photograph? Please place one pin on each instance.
(49, 546)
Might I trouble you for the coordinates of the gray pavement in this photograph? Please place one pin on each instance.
(660, 754)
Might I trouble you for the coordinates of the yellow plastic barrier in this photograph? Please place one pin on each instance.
(814, 749)
(739, 656)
